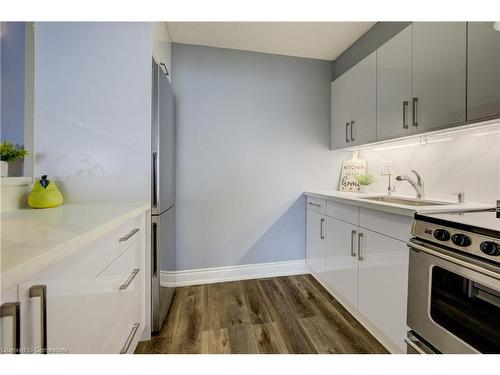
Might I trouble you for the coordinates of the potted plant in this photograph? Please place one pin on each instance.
(364, 181)
(10, 152)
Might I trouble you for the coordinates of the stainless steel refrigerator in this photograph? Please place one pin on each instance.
(162, 194)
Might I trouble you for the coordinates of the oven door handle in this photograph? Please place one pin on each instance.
(458, 262)
(419, 346)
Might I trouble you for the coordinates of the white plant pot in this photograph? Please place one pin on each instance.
(5, 168)
(364, 189)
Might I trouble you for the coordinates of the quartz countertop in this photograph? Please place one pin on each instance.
(356, 199)
(31, 240)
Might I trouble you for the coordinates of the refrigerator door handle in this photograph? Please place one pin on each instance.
(154, 249)
(155, 179)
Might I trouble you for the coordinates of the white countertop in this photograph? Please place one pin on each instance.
(356, 199)
(31, 240)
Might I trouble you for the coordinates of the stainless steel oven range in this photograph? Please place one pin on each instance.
(454, 283)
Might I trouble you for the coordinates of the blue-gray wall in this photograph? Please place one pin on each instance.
(12, 81)
(380, 33)
(252, 135)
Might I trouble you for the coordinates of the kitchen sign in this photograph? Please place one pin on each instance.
(350, 169)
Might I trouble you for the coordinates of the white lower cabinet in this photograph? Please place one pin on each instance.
(86, 303)
(383, 284)
(367, 269)
(316, 244)
(9, 317)
(341, 271)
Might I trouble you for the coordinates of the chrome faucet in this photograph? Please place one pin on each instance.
(417, 185)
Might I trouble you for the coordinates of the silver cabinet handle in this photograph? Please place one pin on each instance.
(127, 282)
(360, 237)
(352, 129)
(347, 132)
(314, 204)
(405, 114)
(155, 180)
(130, 337)
(415, 112)
(166, 70)
(154, 249)
(11, 310)
(321, 233)
(41, 291)
(353, 234)
(130, 234)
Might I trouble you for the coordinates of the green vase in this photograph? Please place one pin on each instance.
(45, 194)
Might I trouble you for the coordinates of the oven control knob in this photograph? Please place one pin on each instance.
(441, 235)
(460, 239)
(490, 248)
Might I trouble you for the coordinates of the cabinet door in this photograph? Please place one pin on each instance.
(341, 266)
(383, 283)
(341, 111)
(77, 317)
(483, 85)
(394, 86)
(315, 241)
(80, 312)
(364, 100)
(9, 322)
(439, 74)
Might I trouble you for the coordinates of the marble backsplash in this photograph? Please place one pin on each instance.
(465, 160)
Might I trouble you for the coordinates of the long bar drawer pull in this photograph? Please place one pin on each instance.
(130, 337)
(11, 310)
(415, 112)
(314, 204)
(125, 285)
(353, 234)
(360, 238)
(126, 237)
(41, 291)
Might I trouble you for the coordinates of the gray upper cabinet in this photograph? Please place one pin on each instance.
(364, 101)
(431, 75)
(394, 86)
(438, 75)
(483, 84)
(354, 105)
(341, 111)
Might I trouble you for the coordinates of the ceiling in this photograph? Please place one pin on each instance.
(318, 40)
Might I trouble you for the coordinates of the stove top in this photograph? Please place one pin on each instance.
(483, 222)
(475, 232)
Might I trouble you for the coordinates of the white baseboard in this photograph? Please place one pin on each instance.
(232, 273)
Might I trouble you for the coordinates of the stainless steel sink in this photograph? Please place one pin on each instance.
(405, 201)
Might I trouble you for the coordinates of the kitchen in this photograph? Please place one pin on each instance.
(246, 191)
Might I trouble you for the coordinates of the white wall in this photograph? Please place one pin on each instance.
(253, 134)
(466, 161)
(92, 109)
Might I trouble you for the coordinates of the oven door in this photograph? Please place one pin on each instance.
(453, 300)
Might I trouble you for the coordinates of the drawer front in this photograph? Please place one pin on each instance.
(91, 260)
(392, 225)
(127, 332)
(316, 204)
(126, 271)
(344, 212)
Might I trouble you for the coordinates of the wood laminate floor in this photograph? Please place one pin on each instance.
(292, 314)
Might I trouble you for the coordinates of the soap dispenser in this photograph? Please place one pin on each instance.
(45, 194)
